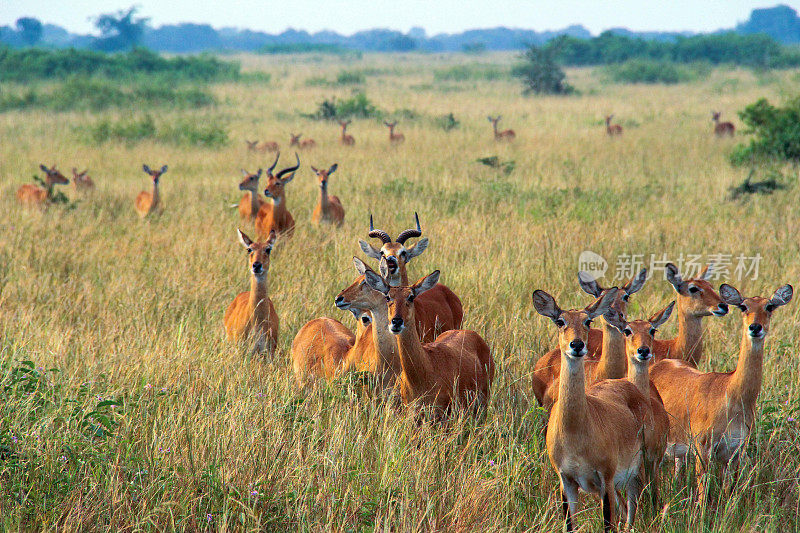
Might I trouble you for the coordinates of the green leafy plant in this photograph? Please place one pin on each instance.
(447, 122)
(653, 71)
(775, 133)
(540, 72)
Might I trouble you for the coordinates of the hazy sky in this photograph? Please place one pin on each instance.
(433, 15)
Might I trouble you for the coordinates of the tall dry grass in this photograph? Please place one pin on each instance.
(108, 308)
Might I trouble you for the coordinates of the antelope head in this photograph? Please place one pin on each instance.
(53, 176)
(323, 174)
(155, 174)
(756, 310)
(276, 183)
(393, 256)
(696, 297)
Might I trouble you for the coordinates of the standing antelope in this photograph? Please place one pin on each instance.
(251, 202)
(329, 208)
(251, 316)
(612, 129)
(593, 436)
(305, 144)
(714, 412)
(722, 128)
(34, 196)
(346, 139)
(276, 216)
(455, 370)
(81, 181)
(394, 138)
(439, 309)
(696, 299)
(505, 135)
(149, 202)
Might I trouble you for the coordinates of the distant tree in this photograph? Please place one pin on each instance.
(540, 72)
(121, 30)
(30, 30)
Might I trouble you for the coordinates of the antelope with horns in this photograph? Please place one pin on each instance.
(722, 128)
(438, 309)
(329, 208)
(275, 216)
(606, 347)
(455, 370)
(505, 135)
(251, 317)
(346, 139)
(696, 299)
(714, 412)
(150, 202)
(82, 181)
(593, 436)
(267, 146)
(394, 138)
(305, 144)
(31, 195)
(612, 129)
(252, 201)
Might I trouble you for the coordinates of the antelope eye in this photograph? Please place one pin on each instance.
(625, 297)
(769, 308)
(587, 322)
(627, 332)
(403, 253)
(560, 322)
(742, 308)
(410, 298)
(653, 332)
(388, 299)
(268, 250)
(249, 250)
(693, 290)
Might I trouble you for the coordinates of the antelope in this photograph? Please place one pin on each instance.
(722, 128)
(606, 347)
(329, 208)
(696, 299)
(438, 309)
(251, 202)
(251, 316)
(455, 370)
(304, 144)
(714, 412)
(346, 139)
(612, 129)
(275, 216)
(593, 436)
(149, 202)
(267, 146)
(81, 181)
(31, 195)
(394, 138)
(505, 135)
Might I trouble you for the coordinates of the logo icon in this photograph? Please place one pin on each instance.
(591, 266)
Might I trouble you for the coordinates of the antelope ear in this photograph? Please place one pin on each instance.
(287, 179)
(368, 249)
(361, 268)
(164, 169)
(614, 318)
(146, 169)
(259, 173)
(426, 283)
(244, 173)
(376, 282)
(589, 284)
(636, 284)
(44, 168)
(730, 295)
(333, 168)
(546, 305)
(674, 277)
(314, 169)
(782, 296)
(416, 249)
(272, 238)
(705, 274)
(602, 304)
(246, 241)
(662, 316)
(383, 266)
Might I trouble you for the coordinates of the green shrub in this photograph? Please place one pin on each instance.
(305, 48)
(184, 132)
(346, 77)
(775, 131)
(469, 73)
(540, 73)
(446, 122)
(357, 106)
(651, 71)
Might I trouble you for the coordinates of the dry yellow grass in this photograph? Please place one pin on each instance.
(206, 438)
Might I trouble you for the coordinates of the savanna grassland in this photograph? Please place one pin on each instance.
(123, 407)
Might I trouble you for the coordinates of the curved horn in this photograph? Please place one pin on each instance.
(378, 233)
(409, 233)
(290, 169)
(270, 169)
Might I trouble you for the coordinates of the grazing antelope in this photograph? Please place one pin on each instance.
(346, 139)
(149, 202)
(34, 196)
(696, 299)
(305, 144)
(605, 358)
(455, 370)
(251, 202)
(438, 309)
(251, 316)
(329, 208)
(593, 436)
(714, 412)
(505, 135)
(394, 138)
(612, 129)
(81, 181)
(722, 128)
(267, 146)
(276, 216)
